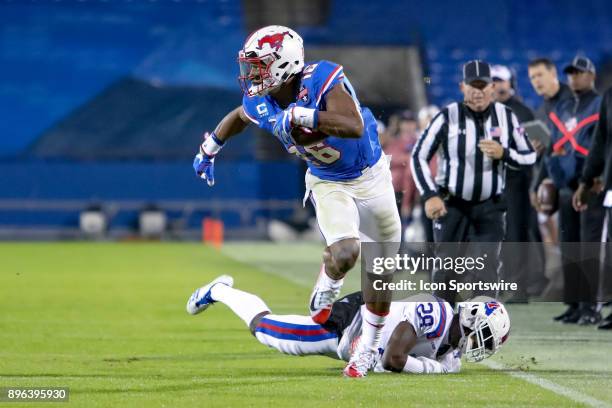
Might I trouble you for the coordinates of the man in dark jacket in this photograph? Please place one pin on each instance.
(544, 80)
(574, 122)
(599, 162)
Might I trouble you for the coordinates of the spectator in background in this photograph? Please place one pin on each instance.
(425, 116)
(574, 121)
(399, 146)
(520, 213)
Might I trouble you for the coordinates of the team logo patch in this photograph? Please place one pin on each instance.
(303, 94)
(571, 124)
(490, 307)
(262, 109)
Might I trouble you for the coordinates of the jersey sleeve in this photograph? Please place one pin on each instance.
(429, 319)
(326, 75)
(249, 106)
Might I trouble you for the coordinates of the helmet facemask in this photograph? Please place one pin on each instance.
(482, 342)
(485, 326)
(255, 76)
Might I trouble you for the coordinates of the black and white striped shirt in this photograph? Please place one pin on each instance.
(463, 170)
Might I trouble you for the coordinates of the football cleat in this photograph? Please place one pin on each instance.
(201, 299)
(322, 298)
(361, 362)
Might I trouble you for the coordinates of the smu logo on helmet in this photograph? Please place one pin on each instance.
(274, 41)
(490, 307)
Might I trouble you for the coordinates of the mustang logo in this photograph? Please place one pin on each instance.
(274, 41)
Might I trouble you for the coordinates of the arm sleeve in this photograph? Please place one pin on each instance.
(595, 161)
(424, 150)
(519, 151)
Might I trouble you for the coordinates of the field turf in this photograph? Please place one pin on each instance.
(108, 321)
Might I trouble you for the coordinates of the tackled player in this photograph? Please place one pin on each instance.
(422, 334)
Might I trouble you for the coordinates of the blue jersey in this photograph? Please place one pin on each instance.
(334, 158)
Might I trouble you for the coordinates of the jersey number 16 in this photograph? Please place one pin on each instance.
(319, 153)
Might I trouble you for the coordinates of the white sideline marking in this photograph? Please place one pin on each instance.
(549, 385)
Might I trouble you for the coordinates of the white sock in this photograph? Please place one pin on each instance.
(245, 305)
(326, 281)
(371, 329)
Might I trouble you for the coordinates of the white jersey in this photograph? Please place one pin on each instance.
(431, 319)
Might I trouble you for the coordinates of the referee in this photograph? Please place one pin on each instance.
(475, 140)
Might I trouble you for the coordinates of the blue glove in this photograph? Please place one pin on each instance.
(204, 166)
(282, 126)
(204, 162)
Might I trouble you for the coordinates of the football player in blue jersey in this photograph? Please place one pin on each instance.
(313, 110)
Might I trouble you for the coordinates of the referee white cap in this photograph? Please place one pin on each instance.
(501, 73)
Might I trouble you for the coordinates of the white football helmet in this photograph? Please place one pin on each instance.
(270, 56)
(487, 325)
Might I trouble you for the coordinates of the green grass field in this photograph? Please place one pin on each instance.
(108, 321)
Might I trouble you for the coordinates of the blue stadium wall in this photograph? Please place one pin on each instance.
(29, 189)
(56, 56)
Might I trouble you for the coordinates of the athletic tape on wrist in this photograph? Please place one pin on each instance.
(212, 145)
(305, 117)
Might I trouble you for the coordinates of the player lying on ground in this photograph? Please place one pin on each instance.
(422, 334)
(313, 110)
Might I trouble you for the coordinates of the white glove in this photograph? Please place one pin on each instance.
(451, 361)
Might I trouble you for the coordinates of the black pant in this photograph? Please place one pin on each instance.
(536, 256)
(522, 263)
(480, 224)
(427, 225)
(516, 193)
(579, 236)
